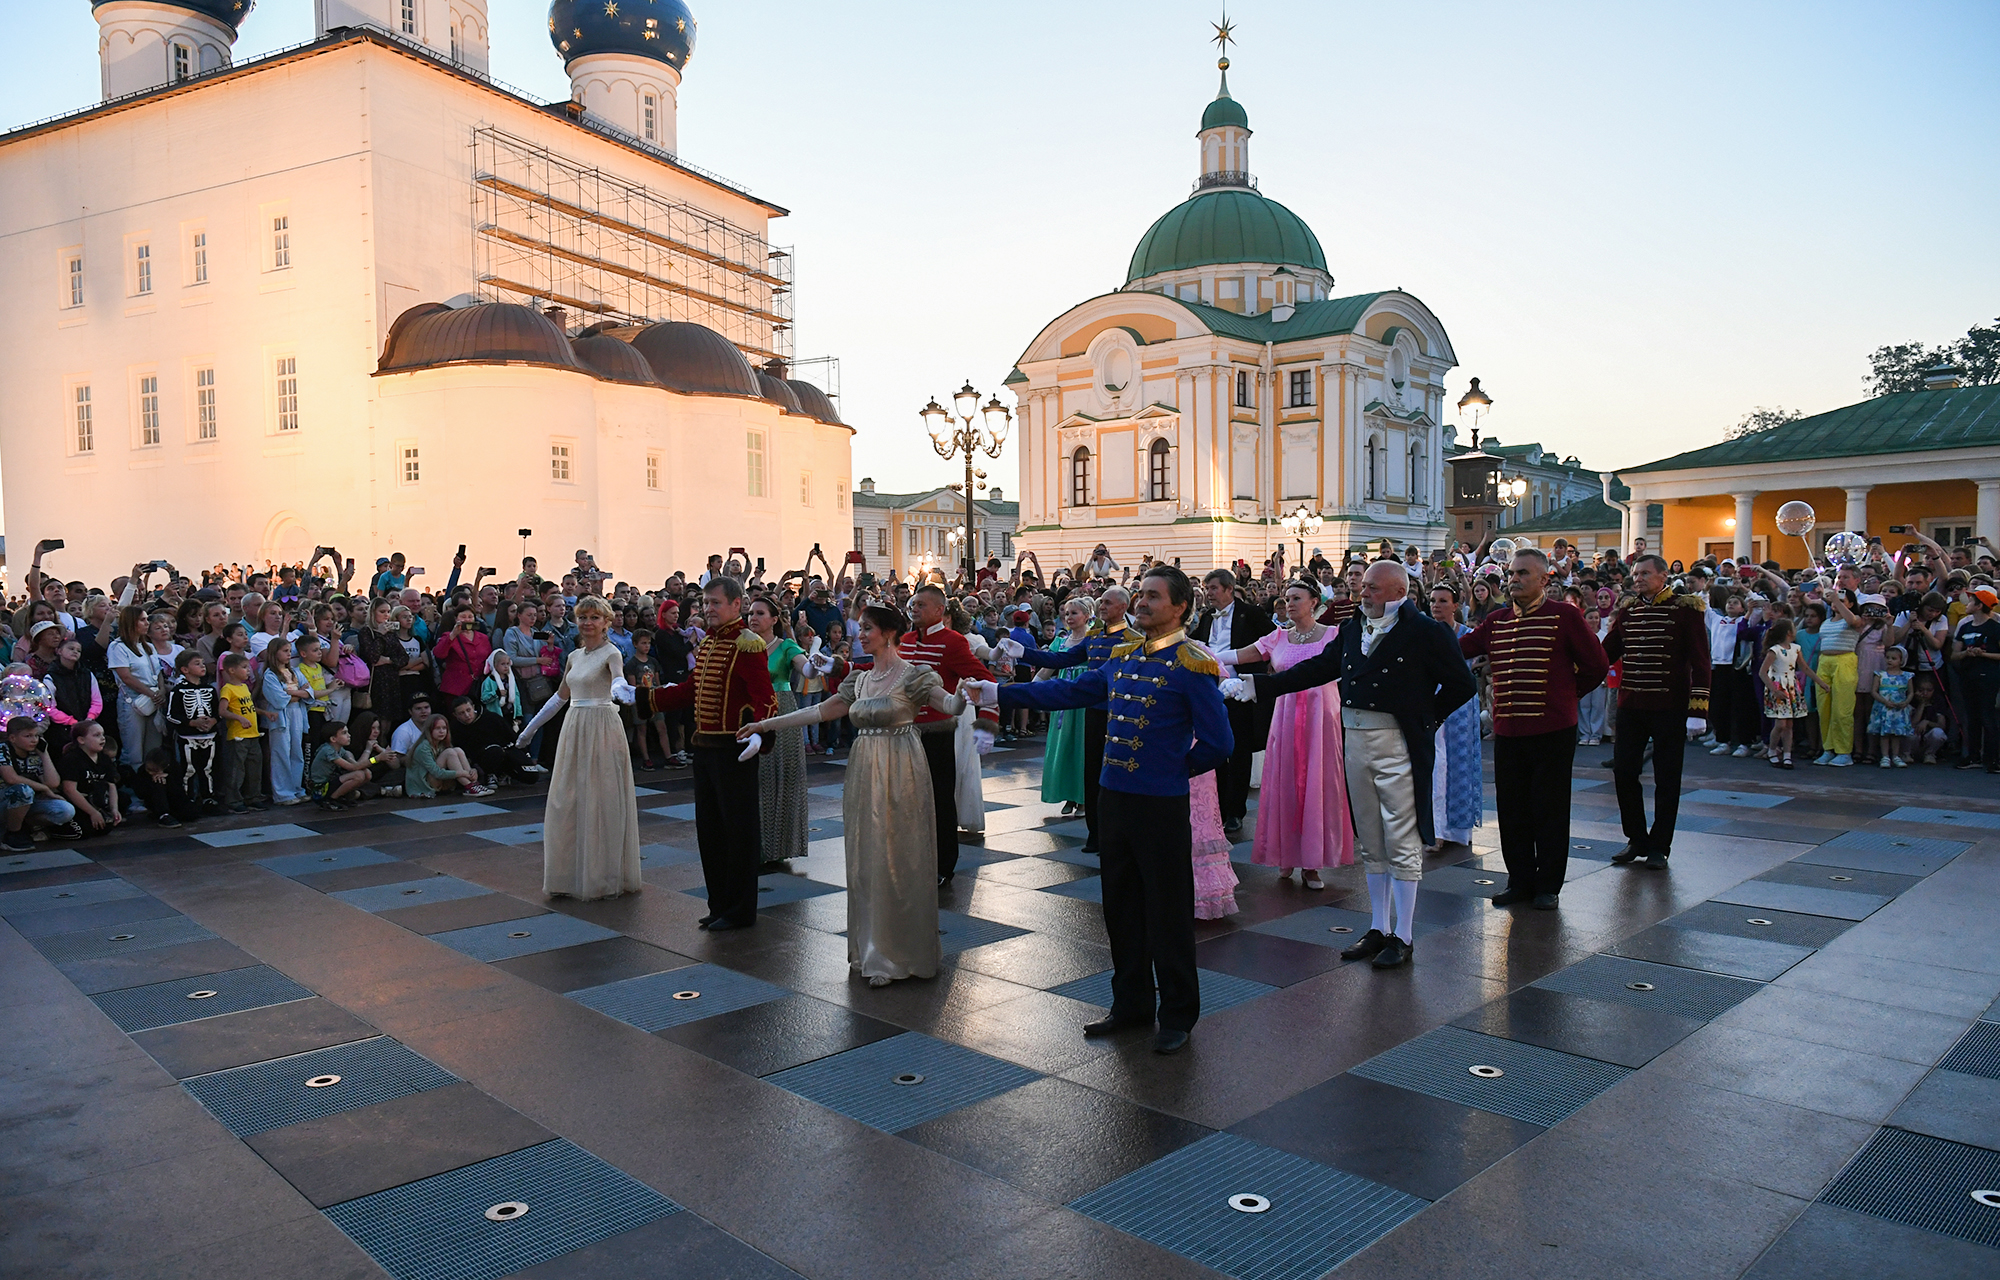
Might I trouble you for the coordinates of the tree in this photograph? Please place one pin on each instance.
(1762, 419)
(1901, 367)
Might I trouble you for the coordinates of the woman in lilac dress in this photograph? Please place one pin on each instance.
(1302, 817)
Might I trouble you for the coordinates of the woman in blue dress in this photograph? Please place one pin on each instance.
(1457, 793)
(1062, 756)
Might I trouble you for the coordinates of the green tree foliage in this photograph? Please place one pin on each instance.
(1762, 418)
(1901, 367)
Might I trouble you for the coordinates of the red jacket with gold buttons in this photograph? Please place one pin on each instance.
(730, 687)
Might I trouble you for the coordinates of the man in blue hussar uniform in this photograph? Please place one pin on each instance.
(1108, 632)
(1167, 723)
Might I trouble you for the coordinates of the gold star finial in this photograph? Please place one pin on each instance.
(611, 8)
(1224, 33)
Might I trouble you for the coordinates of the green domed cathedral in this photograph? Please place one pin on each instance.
(1224, 386)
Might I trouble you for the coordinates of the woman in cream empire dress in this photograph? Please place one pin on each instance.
(590, 832)
(886, 810)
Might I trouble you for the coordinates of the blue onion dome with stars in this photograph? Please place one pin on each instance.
(662, 30)
(230, 13)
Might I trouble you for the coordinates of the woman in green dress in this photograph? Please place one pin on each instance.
(781, 771)
(1062, 756)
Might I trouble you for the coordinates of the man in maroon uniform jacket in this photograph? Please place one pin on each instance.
(933, 644)
(1664, 642)
(1541, 658)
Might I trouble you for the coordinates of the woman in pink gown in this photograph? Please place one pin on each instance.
(1302, 817)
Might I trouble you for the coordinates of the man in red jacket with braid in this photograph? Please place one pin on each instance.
(931, 643)
(1542, 657)
(1663, 639)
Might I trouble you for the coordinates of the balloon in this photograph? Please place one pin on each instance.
(1502, 549)
(1841, 548)
(1796, 519)
(23, 696)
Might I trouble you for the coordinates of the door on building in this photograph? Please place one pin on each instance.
(1948, 531)
(1725, 548)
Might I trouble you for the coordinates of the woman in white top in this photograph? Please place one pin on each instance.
(136, 666)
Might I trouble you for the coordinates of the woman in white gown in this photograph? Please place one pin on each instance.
(590, 832)
(887, 813)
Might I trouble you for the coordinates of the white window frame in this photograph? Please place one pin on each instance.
(882, 540)
(1300, 384)
(409, 463)
(182, 61)
(840, 497)
(280, 243)
(916, 539)
(72, 277)
(197, 239)
(1159, 471)
(141, 259)
(859, 536)
(408, 16)
(283, 367)
(649, 115)
(146, 409)
(562, 461)
(1079, 476)
(756, 453)
(805, 488)
(653, 472)
(207, 422)
(82, 425)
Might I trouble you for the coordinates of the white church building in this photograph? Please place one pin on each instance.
(1224, 386)
(354, 293)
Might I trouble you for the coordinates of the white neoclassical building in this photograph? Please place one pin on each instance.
(354, 293)
(1224, 386)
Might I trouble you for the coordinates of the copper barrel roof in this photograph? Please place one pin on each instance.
(696, 361)
(612, 359)
(780, 393)
(814, 401)
(431, 334)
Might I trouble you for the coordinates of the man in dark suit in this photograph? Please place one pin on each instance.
(1400, 675)
(1224, 625)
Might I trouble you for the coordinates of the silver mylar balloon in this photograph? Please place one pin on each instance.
(1846, 548)
(1796, 519)
(1502, 550)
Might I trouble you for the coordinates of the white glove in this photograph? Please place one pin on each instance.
(751, 746)
(622, 691)
(982, 740)
(979, 693)
(1238, 689)
(822, 662)
(542, 717)
(1011, 647)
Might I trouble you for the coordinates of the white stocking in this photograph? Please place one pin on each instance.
(1406, 909)
(1378, 900)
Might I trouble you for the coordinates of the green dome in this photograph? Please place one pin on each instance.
(1224, 110)
(1226, 225)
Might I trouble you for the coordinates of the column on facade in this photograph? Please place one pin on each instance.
(1857, 508)
(1187, 448)
(1986, 520)
(1745, 505)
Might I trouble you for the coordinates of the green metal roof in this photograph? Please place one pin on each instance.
(1313, 320)
(1014, 377)
(1225, 110)
(1589, 514)
(1907, 422)
(1225, 225)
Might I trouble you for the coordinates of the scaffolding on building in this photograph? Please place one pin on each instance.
(555, 231)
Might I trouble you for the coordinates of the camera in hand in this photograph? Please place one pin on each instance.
(49, 544)
(461, 551)
(488, 571)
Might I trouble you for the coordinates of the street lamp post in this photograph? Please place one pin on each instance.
(951, 438)
(1302, 524)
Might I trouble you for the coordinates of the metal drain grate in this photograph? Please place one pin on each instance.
(117, 940)
(451, 812)
(79, 893)
(1318, 1216)
(656, 1001)
(1900, 861)
(240, 836)
(1791, 929)
(437, 1228)
(963, 932)
(529, 834)
(1218, 990)
(41, 860)
(1540, 1086)
(1686, 993)
(271, 1095)
(1925, 1182)
(162, 1004)
(862, 1083)
(410, 893)
(490, 942)
(1736, 799)
(1892, 842)
(306, 864)
(1798, 898)
(1944, 817)
(1977, 1052)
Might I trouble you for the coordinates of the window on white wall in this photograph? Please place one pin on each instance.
(198, 258)
(409, 16)
(857, 539)
(559, 460)
(454, 42)
(1242, 389)
(1372, 456)
(149, 411)
(652, 471)
(281, 241)
(411, 461)
(204, 403)
(840, 498)
(882, 541)
(183, 62)
(754, 462)
(287, 376)
(805, 489)
(142, 268)
(915, 545)
(1302, 388)
(1159, 472)
(85, 437)
(73, 267)
(1079, 477)
(651, 115)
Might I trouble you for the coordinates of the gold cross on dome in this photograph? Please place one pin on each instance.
(1224, 32)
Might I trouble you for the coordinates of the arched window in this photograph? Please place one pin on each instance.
(183, 62)
(1079, 477)
(1159, 473)
(1370, 462)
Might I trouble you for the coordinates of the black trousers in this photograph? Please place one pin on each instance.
(504, 758)
(727, 831)
(1531, 786)
(1232, 780)
(1148, 871)
(1096, 722)
(1734, 714)
(1667, 731)
(940, 753)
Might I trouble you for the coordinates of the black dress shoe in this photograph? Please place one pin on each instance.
(721, 925)
(1394, 952)
(1169, 1041)
(944, 880)
(1508, 897)
(1546, 902)
(1656, 861)
(1233, 827)
(1365, 946)
(1629, 853)
(705, 921)
(1111, 1026)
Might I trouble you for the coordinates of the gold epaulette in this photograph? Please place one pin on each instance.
(747, 642)
(1693, 602)
(1129, 647)
(1193, 661)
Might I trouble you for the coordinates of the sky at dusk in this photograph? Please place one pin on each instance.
(1635, 222)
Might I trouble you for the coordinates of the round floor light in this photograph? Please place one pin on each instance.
(1755, 920)
(1340, 928)
(1486, 1072)
(121, 937)
(520, 933)
(1244, 1202)
(908, 1078)
(1840, 877)
(507, 1211)
(203, 995)
(1991, 1199)
(687, 995)
(1638, 986)
(321, 1082)
(1482, 882)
